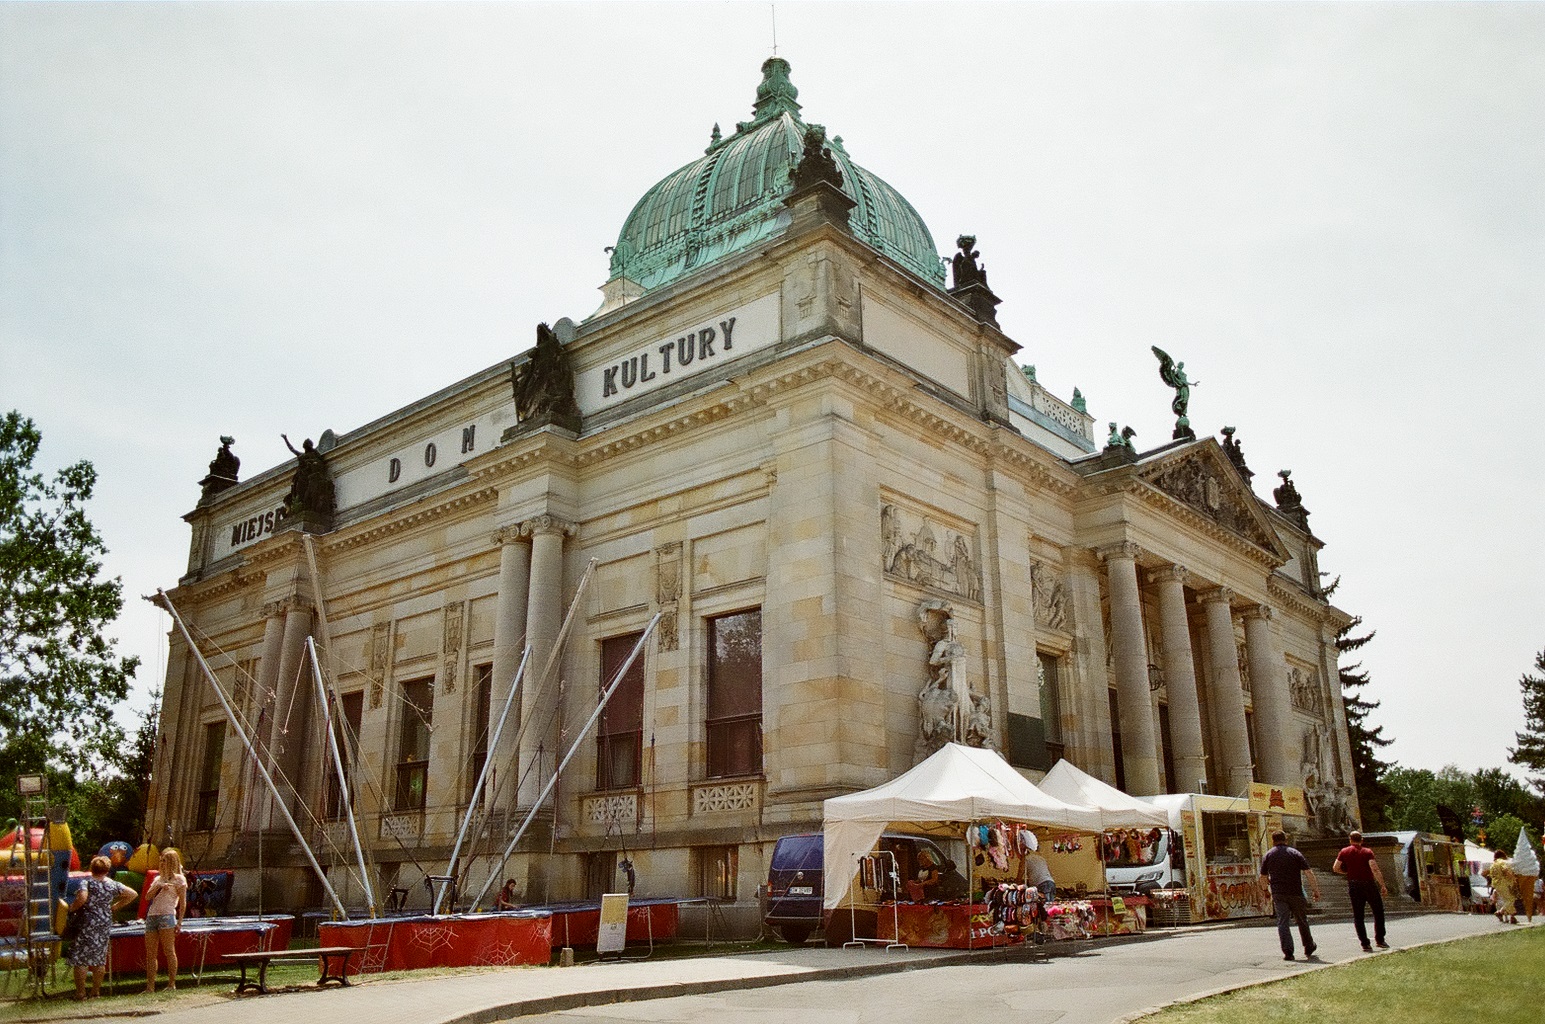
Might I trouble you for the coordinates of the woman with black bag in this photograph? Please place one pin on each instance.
(97, 900)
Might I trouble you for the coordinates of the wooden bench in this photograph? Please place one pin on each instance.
(325, 956)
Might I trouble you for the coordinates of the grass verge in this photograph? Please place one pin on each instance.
(1489, 979)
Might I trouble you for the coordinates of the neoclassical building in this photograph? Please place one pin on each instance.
(797, 441)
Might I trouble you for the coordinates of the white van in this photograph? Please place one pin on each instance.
(1143, 866)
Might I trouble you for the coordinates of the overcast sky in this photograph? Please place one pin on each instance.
(246, 219)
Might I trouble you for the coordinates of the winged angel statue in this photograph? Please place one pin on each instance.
(1174, 374)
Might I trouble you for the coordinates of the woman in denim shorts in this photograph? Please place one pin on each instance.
(168, 896)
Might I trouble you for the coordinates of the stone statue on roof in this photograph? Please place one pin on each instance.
(544, 384)
(966, 270)
(223, 470)
(1174, 374)
(311, 488)
(816, 164)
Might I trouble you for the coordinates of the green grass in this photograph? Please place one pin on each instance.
(1490, 979)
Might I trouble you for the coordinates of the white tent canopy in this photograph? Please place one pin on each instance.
(958, 783)
(1117, 809)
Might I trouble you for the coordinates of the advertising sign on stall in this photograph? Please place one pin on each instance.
(1288, 800)
(613, 936)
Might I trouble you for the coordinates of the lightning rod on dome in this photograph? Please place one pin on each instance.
(773, 9)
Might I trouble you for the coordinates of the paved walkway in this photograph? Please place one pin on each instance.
(1107, 980)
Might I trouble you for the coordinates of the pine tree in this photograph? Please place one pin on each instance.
(1530, 751)
(1366, 740)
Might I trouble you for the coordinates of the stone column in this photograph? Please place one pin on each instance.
(1273, 703)
(544, 617)
(1087, 684)
(509, 641)
(1185, 715)
(260, 712)
(290, 711)
(1139, 746)
(1228, 694)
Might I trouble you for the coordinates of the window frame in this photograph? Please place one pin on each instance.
(720, 762)
(416, 767)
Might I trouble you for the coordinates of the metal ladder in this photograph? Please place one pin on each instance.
(39, 942)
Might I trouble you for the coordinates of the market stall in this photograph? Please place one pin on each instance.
(1222, 841)
(1133, 833)
(983, 817)
(1430, 867)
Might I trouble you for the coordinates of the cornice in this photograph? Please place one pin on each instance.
(543, 448)
(353, 537)
(1294, 598)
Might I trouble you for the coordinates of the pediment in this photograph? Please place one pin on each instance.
(1201, 477)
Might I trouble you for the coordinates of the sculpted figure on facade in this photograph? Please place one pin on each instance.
(544, 384)
(916, 557)
(1048, 597)
(816, 163)
(938, 717)
(223, 470)
(965, 267)
(311, 488)
(979, 731)
(1174, 374)
(1305, 690)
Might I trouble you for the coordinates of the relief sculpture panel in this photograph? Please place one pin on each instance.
(929, 554)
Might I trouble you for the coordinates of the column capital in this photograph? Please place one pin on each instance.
(1264, 612)
(1216, 595)
(1121, 549)
(285, 605)
(1170, 574)
(547, 524)
(512, 534)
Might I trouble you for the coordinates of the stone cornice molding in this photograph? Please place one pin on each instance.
(227, 582)
(544, 448)
(1216, 595)
(415, 515)
(1170, 574)
(1293, 598)
(548, 524)
(1120, 549)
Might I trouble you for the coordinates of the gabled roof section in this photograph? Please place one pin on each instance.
(1201, 477)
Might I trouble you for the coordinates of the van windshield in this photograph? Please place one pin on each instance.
(1134, 848)
(798, 853)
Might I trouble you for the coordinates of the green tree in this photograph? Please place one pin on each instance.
(60, 676)
(1530, 752)
(1415, 794)
(1368, 769)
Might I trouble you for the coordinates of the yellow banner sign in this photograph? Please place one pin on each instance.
(1288, 800)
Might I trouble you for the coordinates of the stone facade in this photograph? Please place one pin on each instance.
(839, 446)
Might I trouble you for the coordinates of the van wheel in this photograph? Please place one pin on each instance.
(795, 934)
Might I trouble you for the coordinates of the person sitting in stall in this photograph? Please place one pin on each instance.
(509, 896)
(1038, 874)
(924, 884)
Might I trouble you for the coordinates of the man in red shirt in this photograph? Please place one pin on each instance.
(1365, 884)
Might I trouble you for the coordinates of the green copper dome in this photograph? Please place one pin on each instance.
(731, 198)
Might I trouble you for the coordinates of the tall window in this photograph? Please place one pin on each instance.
(346, 719)
(1051, 704)
(482, 699)
(735, 694)
(418, 709)
(207, 811)
(620, 735)
(1115, 740)
(1169, 750)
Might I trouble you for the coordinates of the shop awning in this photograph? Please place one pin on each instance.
(958, 783)
(1117, 809)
